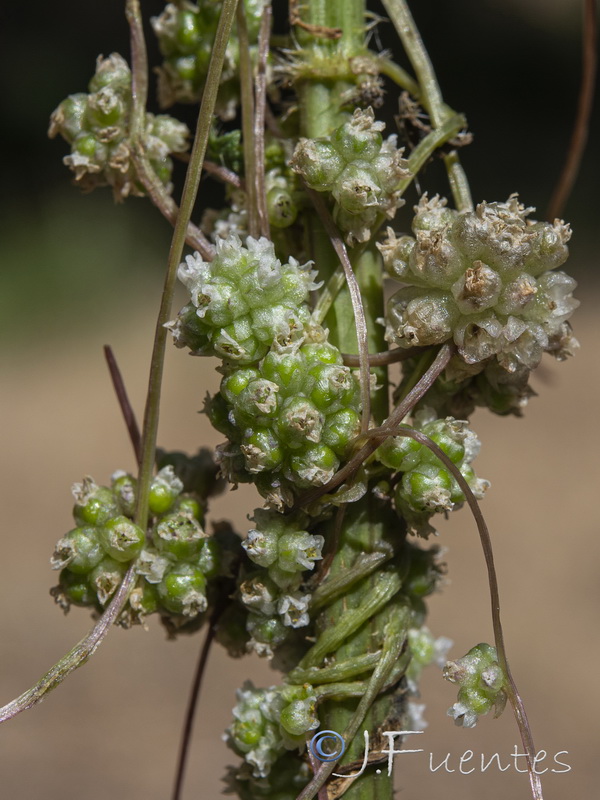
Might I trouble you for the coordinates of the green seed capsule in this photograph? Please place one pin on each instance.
(189, 507)
(161, 498)
(315, 465)
(97, 507)
(79, 549)
(341, 428)
(182, 590)
(233, 385)
(281, 207)
(179, 536)
(124, 488)
(76, 589)
(262, 451)
(122, 539)
(188, 31)
(144, 598)
(106, 577)
(266, 630)
(209, 560)
(287, 370)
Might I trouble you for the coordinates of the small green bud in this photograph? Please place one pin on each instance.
(266, 633)
(261, 547)
(318, 163)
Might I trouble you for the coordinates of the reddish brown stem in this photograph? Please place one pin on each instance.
(580, 133)
(124, 404)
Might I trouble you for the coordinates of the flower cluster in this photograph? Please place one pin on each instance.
(359, 169)
(173, 561)
(281, 545)
(269, 721)
(186, 34)
(485, 279)
(96, 125)
(482, 685)
(427, 486)
(290, 419)
(242, 301)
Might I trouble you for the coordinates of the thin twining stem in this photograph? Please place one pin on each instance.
(186, 735)
(139, 70)
(579, 137)
(387, 357)
(402, 409)
(168, 207)
(224, 174)
(260, 104)
(486, 543)
(357, 305)
(190, 191)
(82, 651)
(123, 400)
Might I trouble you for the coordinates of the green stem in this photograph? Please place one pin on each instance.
(404, 23)
(190, 191)
(351, 627)
(247, 99)
(430, 94)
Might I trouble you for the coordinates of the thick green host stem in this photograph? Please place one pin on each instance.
(371, 602)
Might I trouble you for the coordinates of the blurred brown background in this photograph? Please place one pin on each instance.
(77, 273)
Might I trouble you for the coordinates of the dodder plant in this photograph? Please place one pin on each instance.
(286, 291)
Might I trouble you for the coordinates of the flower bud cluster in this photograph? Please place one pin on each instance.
(427, 486)
(269, 721)
(242, 301)
(290, 419)
(173, 561)
(481, 684)
(186, 33)
(486, 279)
(360, 169)
(96, 125)
(273, 596)
(281, 188)
(287, 777)
(425, 650)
